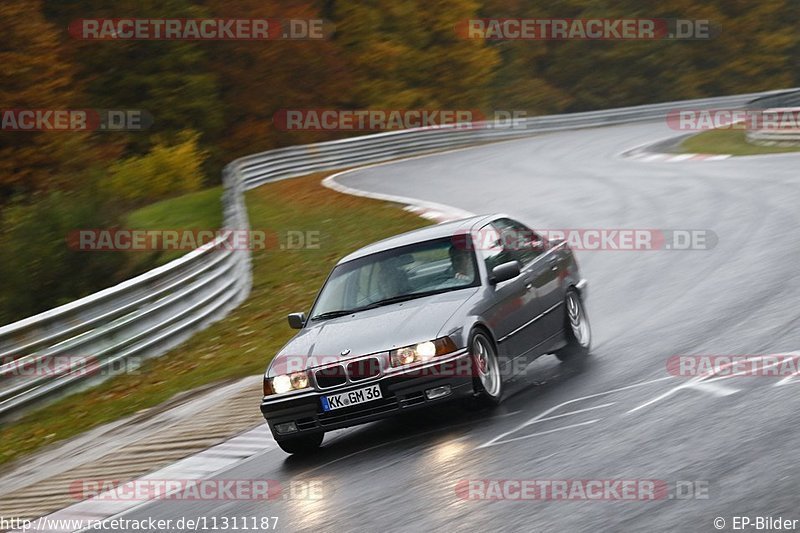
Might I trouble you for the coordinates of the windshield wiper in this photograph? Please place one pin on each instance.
(333, 314)
(403, 298)
(379, 303)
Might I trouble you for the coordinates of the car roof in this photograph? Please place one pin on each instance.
(437, 231)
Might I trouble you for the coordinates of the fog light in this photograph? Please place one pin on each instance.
(286, 427)
(438, 392)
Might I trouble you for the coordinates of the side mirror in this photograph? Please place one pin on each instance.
(504, 272)
(297, 320)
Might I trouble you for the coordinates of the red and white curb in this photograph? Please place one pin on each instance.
(643, 153)
(652, 157)
(83, 515)
(429, 210)
(436, 215)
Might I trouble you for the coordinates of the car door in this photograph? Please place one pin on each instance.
(513, 303)
(542, 272)
(550, 291)
(537, 277)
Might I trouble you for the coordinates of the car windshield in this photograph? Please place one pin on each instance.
(399, 274)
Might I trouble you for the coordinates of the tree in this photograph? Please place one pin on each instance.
(36, 76)
(169, 79)
(407, 54)
(259, 78)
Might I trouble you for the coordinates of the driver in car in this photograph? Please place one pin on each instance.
(461, 264)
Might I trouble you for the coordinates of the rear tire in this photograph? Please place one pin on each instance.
(577, 329)
(302, 445)
(488, 380)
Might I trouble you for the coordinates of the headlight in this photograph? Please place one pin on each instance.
(285, 383)
(424, 351)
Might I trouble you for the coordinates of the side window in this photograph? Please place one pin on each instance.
(514, 241)
(491, 246)
(524, 241)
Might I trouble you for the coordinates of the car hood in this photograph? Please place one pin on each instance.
(371, 331)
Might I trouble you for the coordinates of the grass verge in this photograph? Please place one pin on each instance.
(728, 141)
(284, 280)
(198, 210)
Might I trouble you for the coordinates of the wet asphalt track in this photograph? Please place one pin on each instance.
(743, 297)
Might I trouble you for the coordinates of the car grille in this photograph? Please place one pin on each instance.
(363, 369)
(331, 376)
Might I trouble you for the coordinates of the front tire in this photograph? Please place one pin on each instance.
(488, 380)
(577, 329)
(301, 445)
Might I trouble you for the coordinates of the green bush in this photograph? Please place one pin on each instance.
(38, 269)
(166, 170)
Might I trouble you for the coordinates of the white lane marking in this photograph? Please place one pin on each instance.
(556, 407)
(711, 378)
(494, 442)
(717, 390)
(542, 459)
(709, 386)
(572, 413)
(788, 380)
(540, 433)
(702, 383)
(707, 383)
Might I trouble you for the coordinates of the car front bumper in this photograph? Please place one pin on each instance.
(402, 390)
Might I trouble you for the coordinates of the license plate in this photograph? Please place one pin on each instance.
(354, 397)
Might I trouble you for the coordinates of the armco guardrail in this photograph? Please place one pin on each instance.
(777, 127)
(790, 98)
(78, 343)
(767, 135)
(154, 312)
